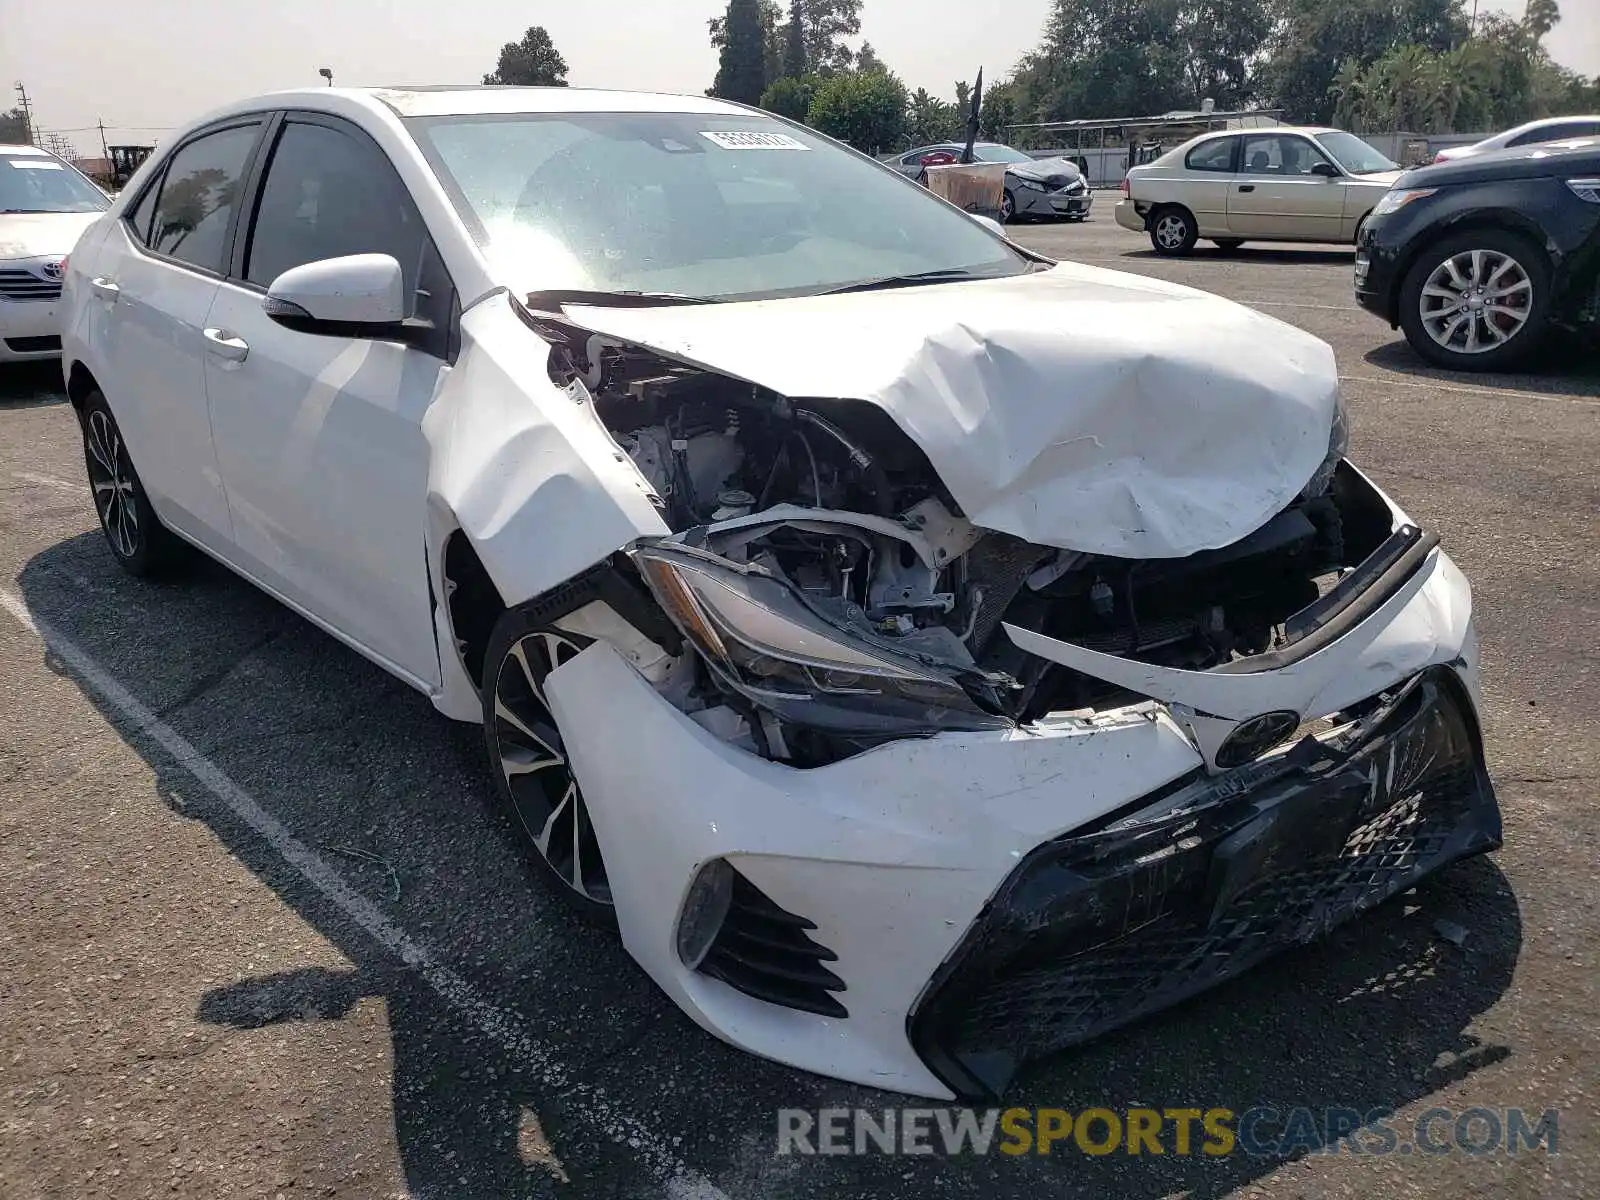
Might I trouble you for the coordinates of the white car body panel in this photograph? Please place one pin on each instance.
(1547, 129)
(1075, 408)
(34, 244)
(1085, 443)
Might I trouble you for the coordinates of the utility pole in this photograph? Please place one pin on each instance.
(27, 110)
(105, 150)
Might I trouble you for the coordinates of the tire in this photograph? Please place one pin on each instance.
(533, 783)
(141, 544)
(1173, 231)
(1227, 245)
(1008, 208)
(1480, 328)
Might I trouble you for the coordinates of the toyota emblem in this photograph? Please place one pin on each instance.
(52, 270)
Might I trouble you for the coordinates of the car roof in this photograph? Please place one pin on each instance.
(433, 100)
(1546, 122)
(28, 150)
(1265, 130)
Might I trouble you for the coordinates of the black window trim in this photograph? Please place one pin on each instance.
(261, 120)
(1235, 142)
(253, 186)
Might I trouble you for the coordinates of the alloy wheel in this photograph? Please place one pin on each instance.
(544, 792)
(1171, 231)
(1476, 301)
(1008, 208)
(111, 476)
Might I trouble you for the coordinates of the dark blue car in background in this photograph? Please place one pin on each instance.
(1478, 260)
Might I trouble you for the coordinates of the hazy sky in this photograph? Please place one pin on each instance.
(161, 62)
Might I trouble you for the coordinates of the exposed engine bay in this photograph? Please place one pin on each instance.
(838, 596)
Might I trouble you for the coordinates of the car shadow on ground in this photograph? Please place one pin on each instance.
(1251, 253)
(1568, 366)
(31, 384)
(1376, 1018)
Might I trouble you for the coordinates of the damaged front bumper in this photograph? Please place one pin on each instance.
(914, 917)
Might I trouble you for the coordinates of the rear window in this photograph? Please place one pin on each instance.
(1211, 156)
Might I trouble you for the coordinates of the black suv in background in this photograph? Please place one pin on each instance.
(1479, 258)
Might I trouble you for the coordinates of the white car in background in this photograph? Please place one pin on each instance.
(1288, 184)
(926, 656)
(44, 205)
(1549, 129)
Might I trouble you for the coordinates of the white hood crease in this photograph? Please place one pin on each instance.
(1076, 407)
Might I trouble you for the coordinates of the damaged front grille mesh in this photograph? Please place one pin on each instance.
(767, 952)
(1093, 932)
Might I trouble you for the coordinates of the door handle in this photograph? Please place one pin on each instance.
(1247, 187)
(105, 288)
(226, 345)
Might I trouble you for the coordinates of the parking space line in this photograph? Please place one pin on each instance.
(1492, 393)
(680, 1183)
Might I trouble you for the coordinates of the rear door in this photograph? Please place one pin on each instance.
(155, 278)
(1275, 194)
(1206, 175)
(319, 437)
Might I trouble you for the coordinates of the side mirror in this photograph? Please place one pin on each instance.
(358, 295)
(989, 223)
(1325, 169)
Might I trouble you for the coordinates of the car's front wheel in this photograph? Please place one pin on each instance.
(1478, 301)
(1173, 231)
(533, 778)
(1008, 208)
(140, 543)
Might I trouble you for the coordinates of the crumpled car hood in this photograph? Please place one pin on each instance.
(1044, 168)
(1075, 407)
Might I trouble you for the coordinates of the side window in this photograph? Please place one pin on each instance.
(1557, 133)
(197, 197)
(1280, 156)
(139, 219)
(1212, 156)
(328, 194)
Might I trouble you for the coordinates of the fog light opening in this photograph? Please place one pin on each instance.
(704, 910)
(1255, 737)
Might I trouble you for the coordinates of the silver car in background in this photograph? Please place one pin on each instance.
(1035, 187)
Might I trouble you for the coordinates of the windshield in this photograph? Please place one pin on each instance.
(720, 207)
(1354, 155)
(34, 183)
(999, 154)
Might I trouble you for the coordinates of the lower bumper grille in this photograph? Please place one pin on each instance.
(17, 284)
(1097, 930)
(767, 952)
(34, 345)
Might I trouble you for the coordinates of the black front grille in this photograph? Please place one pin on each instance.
(767, 952)
(34, 345)
(1096, 930)
(17, 284)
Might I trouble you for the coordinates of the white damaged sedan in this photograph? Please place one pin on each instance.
(927, 656)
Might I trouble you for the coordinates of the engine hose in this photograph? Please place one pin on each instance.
(877, 477)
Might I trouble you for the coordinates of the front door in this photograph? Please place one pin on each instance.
(319, 437)
(154, 280)
(1278, 194)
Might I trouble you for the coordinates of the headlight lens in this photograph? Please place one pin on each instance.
(1031, 185)
(1394, 201)
(759, 636)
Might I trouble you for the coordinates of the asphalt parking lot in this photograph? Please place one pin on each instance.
(260, 935)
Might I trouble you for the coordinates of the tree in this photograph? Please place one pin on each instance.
(795, 63)
(825, 24)
(14, 129)
(867, 59)
(532, 62)
(789, 98)
(742, 75)
(997, 110)
(772, 29)
(866, 110)
(931, 119)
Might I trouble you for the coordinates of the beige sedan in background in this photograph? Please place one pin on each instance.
(1288, 184)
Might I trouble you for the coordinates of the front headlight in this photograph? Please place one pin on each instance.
(1338, 449)
(1394, 201)
(1030, 185)
(761, 638)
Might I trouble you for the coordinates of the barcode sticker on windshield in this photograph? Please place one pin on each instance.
(754, 141)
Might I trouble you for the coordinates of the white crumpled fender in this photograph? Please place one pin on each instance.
(1075, 407)
(523, 468)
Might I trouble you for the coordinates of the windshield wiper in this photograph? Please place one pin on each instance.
(553, 299)
(943, 275)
